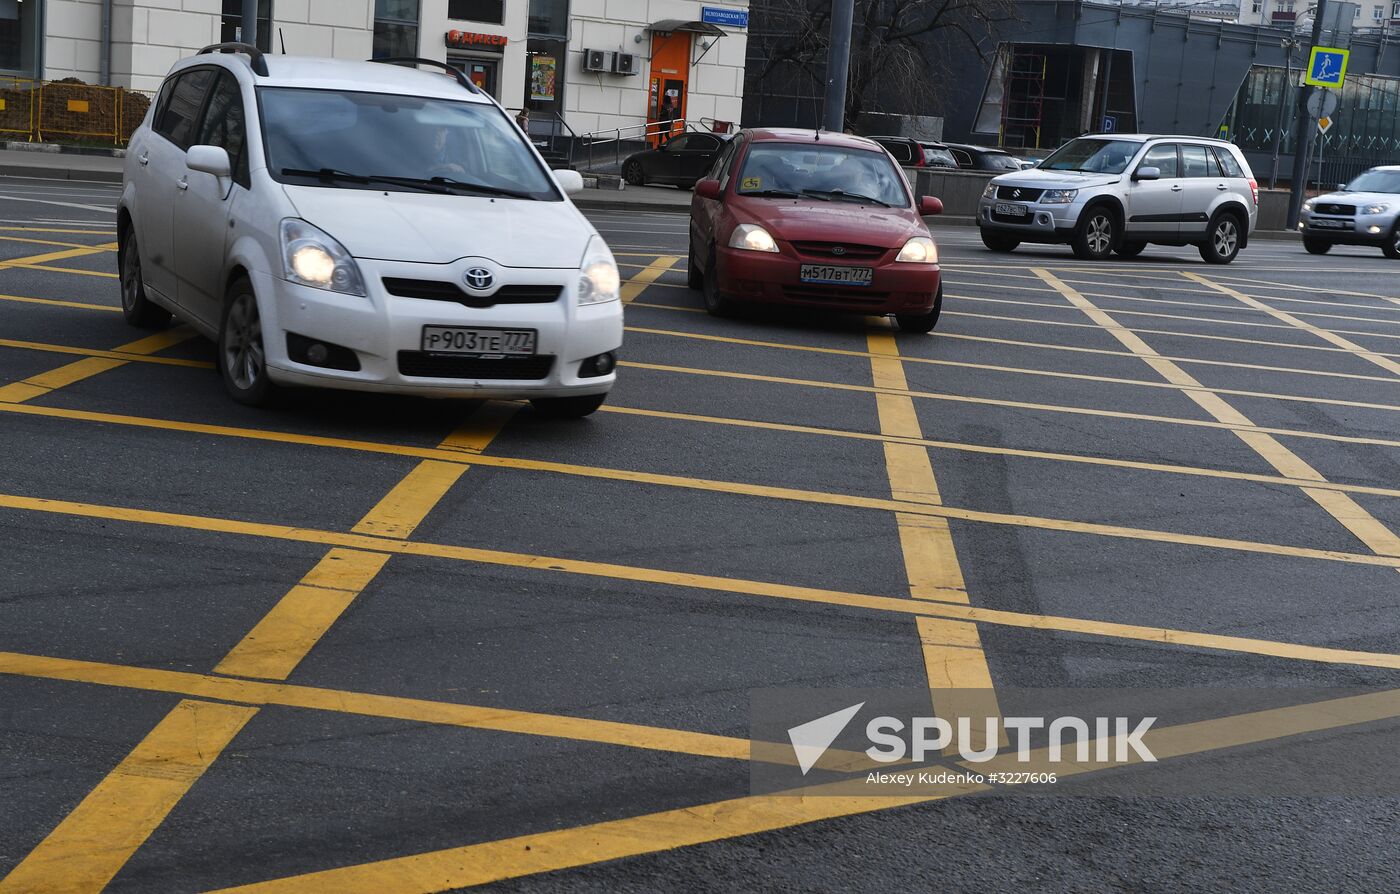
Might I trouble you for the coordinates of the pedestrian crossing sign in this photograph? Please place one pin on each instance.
(1327, 67)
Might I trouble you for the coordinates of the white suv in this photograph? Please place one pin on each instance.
(364, 226)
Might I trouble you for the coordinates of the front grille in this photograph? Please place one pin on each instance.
(1339, 210)
(847, 251)
(438, 290)
(1022, 219)
(421, 364)
(835, 295)
(1019, 193)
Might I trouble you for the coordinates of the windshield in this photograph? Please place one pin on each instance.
(356, 137)
(1095, 156)
(1376, 181)
(822, 172)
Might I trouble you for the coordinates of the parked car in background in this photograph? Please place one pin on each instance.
(906, 150)
(680, 161)
(814, 220)
(1365, 211)
(982, 158)
(1116, 193)
(1029, 161)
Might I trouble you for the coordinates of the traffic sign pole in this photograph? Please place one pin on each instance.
(1302, 132)
(838, 64)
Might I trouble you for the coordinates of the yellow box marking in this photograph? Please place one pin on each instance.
(96, 839)
(638, 283)
(405, 507)
(46, 382)
(81, 106)
(481, 428)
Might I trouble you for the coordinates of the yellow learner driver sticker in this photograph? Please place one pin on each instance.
(752, 183)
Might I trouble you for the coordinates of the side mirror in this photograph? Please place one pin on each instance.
(1148, 174)
(209, 160)
(708, 189)
(569, 181)
(930, 205)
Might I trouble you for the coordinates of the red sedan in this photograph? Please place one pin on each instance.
(813, 219)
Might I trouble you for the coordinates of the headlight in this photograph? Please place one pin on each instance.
(598, 279)
(310, 257)
(1375, 209)
(752, 237)
(919, 250)
(1307, 206)
(990, 192)
(1058, 196)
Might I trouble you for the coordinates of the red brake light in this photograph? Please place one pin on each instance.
(1254, 188)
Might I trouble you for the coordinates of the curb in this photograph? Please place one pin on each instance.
(42, 172)
(59, 149)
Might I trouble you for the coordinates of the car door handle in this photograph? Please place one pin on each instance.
(1178, 188)
(145, 159)
(182, 183)
(1222, 187)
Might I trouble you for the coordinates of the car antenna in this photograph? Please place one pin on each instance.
(282, 35)
(817, 135)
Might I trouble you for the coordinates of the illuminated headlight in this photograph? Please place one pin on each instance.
(1375, 209)
(1308, 206)
(919, 250)
(310, 257)
(1058, 196)
(991, 191)
(752, 237)
(598, 279)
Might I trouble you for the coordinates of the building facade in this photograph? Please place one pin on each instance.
(580, 66)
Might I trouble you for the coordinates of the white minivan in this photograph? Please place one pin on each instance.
(365, 226)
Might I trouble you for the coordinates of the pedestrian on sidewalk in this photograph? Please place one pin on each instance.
(522, 121)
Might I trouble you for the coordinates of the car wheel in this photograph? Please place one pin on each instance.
(922, 323)
(1127, 250)
(242, 358)
(1316, 246)
(694, 277)
(1222, 240)
(1095, 235)
(568, 407)
(715, 301)
(632, 173)
(998, 242)
(1392, 245)
(137, 309)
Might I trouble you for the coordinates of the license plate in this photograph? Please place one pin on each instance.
(842, 276)
(478, 342)
(1329, 224)
(1011, 210)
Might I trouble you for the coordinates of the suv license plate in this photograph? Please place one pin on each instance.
(478, 342)
(840, 276)
(1325, 224)
(1011, 210)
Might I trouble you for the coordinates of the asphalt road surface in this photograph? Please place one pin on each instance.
(363, 644)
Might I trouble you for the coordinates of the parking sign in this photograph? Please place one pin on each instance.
(1327, 67)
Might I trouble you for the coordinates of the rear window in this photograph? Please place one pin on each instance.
(1228, 164)
(899, 149)
(995, 161)
(939, 158)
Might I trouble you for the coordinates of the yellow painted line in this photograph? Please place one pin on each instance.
(1341, 507)
(930, 557)
(1285, 287)
(106, 355)
(260, 693)
(67, 253)
(637, 284)
(1052, 374)
(96, 839)
(51, 269)
(531, 854)
(56, 303)
(1292, 320)
(107, 232)
(738, 586)
(405, 507)
(27, 241)
(44, 383)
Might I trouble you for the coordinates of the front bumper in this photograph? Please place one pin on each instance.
(1041, 223)
(377, 328)
(776, 278)
(1363, 229)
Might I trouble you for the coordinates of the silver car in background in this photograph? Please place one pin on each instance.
(1364, 212)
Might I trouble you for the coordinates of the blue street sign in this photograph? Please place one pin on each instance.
(1327, 67)
(1110, 124)
(719, 15)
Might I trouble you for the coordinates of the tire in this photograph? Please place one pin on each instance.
(1392, 245)
(694, 277)
(242, 359)
(137, 309)
(1222, 240)
(1316, 246)
(715, 301)
(999, 242)
(568, 407)
(1127, 250)
(633, 174)
(1096, 234)
(922, 323)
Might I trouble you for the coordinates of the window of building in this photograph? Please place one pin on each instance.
(491, 11)
(395, 28)
(231, 25)
(1378, 13)
(19, 35)
(549, 17)
(1395, 10)
(1355, 13)
(1258, 7)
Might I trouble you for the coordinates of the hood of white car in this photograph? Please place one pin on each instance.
(1360, 199)
(427, 228)
(1041, 179)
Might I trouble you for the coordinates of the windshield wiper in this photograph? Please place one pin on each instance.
(850, 196)
(773, 194)
(481, 188)
(332, 174)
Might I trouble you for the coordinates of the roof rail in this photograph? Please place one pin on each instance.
(416, 61)
(258, 62)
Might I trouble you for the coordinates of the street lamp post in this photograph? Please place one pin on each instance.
(249, 22)
(1302, 131)
(838, 64)
(1289, 45)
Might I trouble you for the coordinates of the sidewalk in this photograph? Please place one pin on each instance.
(61, 166)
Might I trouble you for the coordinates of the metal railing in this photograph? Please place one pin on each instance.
(645, 133)
(547, 138)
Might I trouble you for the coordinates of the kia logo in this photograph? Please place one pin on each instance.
(838, 250)
(479, 279)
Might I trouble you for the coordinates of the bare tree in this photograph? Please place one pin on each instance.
(895, 45)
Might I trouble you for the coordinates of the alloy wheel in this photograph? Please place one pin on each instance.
(243, 346)
(1226, 237)
(131, 278)
(1100, 233)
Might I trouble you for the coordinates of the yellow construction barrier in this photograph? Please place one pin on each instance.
(18, 103)
(75, 109)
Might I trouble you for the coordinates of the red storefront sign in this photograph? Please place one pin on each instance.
(469, 39)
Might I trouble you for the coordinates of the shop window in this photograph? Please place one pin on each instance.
(490, 11)
(395, 28)
(549, 17)
(231, 25)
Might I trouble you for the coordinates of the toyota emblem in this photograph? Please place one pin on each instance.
(479, 279)
(838, 250)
